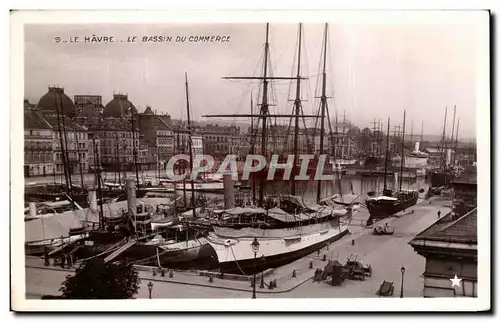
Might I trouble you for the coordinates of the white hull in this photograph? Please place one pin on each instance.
(293, 240)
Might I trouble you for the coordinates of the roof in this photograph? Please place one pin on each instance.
(112, 124)
(51, 227)
(118, 106)
(162, 124)
(69, 124)
(448, 229)
(33, 119)
(116, 209)
(56, 96)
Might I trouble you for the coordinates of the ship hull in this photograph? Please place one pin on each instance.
(181, 254)
(235, 255)
(438, 179)
(382, 209)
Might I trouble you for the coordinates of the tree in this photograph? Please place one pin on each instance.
(96, 279)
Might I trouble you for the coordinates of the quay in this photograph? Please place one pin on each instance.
(385, 253)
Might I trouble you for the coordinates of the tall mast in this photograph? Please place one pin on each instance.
(97, 167)
(323, 109)
(422, 134)
(118, 159)
(135, 149)
(443, 145)
(264, 107)
(343, 136)
(297, 114)
(252, 143)
(402, 152)
(411, 133)
(61, 141)
(190, 145)
(452, 129)
(79, 159)
(264, 111)
(456, 141)
(66, 150)
(386, 153)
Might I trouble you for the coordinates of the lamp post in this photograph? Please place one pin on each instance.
(150, 288)
(255, 249)
(402, 280)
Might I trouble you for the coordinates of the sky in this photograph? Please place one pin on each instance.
(374, 71)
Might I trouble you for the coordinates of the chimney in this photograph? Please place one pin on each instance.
(228, 191)
(92, 199)
(32, 206)
(131, 198)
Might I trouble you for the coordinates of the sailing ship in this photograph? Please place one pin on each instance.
(390, 202)
(286, 226)
(171, 241)
(442, 176)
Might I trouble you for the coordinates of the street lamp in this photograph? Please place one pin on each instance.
(402, 280)
(150, 288)
(255, 248)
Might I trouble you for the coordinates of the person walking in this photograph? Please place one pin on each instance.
(439, 215)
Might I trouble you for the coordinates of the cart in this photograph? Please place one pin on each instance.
(383, 229)
(355, 269)
(386, 289)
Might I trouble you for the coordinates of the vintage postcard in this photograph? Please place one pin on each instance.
(244, 159)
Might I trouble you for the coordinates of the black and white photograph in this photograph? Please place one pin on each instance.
(250, 157)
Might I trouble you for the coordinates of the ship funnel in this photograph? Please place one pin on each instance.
(131, 198)
(417, 146)
(448, 156)
(228, 190)
(92, 199)
(32, 207)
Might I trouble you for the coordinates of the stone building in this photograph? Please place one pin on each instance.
(465, 188)
(450, 244)
(116, 146)
(450, 249)
(157, 134)
(216, 139)
(181, 140)
(38, 143)
(58, 110)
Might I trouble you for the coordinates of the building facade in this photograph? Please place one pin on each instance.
(116, 143)
(217, 139)
(38, 144)
(450, 249)
(157, 135)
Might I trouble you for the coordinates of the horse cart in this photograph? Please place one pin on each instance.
(356, 269)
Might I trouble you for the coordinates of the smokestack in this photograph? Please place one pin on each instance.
(32, 206)
(417, 146)
(131, 198)
(92, 199)
(228, 191)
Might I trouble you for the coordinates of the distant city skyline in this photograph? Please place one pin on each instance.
(374, 71)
